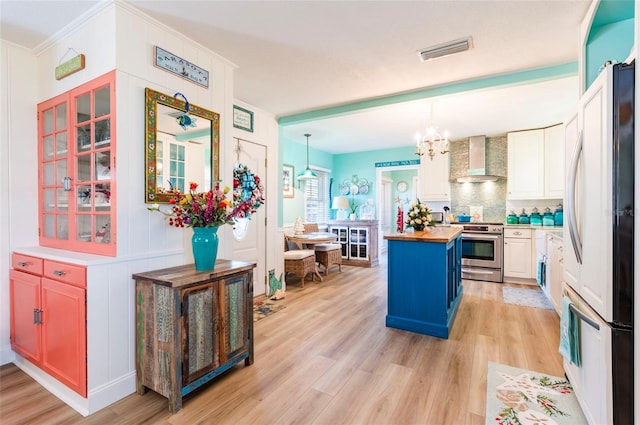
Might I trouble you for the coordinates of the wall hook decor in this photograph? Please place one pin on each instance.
(185, 120)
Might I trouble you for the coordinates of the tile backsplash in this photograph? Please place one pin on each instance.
(490, 195)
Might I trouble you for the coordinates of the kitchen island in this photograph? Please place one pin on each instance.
(424, 283)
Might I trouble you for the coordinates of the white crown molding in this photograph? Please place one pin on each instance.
(132, 9)
(72, 26)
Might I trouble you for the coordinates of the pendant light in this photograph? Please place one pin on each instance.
(307, 174)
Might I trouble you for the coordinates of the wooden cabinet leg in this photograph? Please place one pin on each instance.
(141, 389)
(175, 403)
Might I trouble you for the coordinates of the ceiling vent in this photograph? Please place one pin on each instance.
(445, 49)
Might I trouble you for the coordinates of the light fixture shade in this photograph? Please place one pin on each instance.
(340, 203)
(307, 174)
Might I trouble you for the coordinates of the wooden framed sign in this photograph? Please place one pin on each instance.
(180, 67)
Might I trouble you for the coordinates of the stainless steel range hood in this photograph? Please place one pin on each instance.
(477, 170)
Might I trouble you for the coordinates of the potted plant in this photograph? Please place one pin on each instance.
(353, 207)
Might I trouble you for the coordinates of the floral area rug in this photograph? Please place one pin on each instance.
(521, 397)
(262, 309)
(526, 297)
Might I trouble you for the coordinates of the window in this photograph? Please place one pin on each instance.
(316, 198)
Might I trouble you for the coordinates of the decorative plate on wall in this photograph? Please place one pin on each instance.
(402, 186)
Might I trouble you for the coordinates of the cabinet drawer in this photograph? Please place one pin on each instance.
(67, 273)
(27, 264)
(517, 233)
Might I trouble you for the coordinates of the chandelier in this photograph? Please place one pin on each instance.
(432, 141)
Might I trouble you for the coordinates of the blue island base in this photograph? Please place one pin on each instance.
(440, 330)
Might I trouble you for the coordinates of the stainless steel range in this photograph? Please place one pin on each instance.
(482, 251)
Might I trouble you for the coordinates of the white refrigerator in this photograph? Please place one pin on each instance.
(598, 244)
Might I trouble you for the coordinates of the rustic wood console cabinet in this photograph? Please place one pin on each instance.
(192, 326)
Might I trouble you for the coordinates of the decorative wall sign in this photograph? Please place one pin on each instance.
(180, 67)
(398, 163)
(69, 67)
(242, 118)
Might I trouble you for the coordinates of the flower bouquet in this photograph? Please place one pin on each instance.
(419, 216)
(206, 211)
(199, 209)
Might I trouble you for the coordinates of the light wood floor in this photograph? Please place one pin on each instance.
(328, 358)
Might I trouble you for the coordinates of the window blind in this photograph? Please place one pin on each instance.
(316, 198)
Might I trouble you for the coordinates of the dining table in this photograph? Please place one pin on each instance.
(308, 240)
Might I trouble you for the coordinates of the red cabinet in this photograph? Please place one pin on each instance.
(76, 173)
(48, 317)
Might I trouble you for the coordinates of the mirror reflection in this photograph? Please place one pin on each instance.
(178, 154)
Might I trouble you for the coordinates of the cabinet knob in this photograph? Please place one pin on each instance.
(23, 264)
(517, 233)
(59, 273)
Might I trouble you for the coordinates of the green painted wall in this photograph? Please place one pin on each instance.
(295, 153)
(342, 167)
(362, 165)
(608, 42)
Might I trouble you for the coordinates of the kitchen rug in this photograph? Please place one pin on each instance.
(526, 297)
(521, 397)
(262, 309)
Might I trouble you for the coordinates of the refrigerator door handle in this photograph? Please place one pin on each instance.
(571, 200)
(584, 317)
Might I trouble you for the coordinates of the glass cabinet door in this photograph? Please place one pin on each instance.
(76, 168)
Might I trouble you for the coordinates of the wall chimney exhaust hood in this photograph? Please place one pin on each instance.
(477, 170)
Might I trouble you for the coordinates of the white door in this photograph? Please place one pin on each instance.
(385, 212)
(251, 245)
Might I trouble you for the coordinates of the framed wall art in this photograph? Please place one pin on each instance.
(242, 118)
(287, 181)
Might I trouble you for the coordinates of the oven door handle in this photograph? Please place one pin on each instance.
(480, 236)
(476, 271)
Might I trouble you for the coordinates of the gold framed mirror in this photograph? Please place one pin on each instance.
(177, 154)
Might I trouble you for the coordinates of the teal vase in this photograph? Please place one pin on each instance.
(204, 243)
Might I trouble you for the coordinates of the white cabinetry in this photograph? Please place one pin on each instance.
(554, 162)
(525, 178)
(358, 241)
(518, 253)
(535, 164)
(434, 178)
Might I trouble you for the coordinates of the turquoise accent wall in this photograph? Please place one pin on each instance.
(610, 37)
(608, 42)
(295, 153)
(407, 176)
(362, 164)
